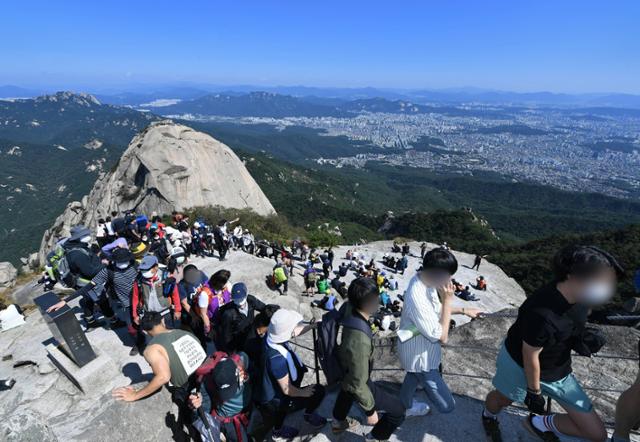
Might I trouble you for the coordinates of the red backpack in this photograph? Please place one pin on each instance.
(203, 372)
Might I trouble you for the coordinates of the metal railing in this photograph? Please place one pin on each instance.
(392, 342)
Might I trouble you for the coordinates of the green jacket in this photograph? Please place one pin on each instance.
(355, 354)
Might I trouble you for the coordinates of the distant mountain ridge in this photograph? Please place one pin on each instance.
(254, 104)
(139, 94)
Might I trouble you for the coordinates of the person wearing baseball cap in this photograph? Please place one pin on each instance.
(282, 388)
(236, 319)
(148, 292)
(226, 379)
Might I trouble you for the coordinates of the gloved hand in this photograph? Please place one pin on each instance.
(535, 402)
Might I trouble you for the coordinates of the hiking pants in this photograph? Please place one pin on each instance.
(88, 307)
(275, 412)
(134, 330)
(434, 386)
(392, 405)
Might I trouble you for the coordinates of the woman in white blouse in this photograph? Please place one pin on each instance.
(427, 314)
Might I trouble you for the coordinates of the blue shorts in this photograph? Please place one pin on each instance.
(511, 381)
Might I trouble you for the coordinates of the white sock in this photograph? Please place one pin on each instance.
(545, 423)
(487, 413)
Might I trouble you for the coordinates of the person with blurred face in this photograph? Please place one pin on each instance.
(535, 358)
(427, 314)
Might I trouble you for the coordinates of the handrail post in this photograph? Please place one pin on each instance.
(315, 357)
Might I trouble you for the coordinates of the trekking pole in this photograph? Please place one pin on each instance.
(203, 417)
(315, 357)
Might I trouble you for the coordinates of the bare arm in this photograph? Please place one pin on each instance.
(161, 375)
(291, 390)
(531, 362)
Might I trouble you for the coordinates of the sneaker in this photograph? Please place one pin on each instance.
(492, 429)
(548, 436)
(315, 420)
(284, 434)
(369, 438)
(418, 409)
(341, 426)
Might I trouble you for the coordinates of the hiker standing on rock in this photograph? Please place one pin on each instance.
(82, 265)
(628, 411)
(355, 356)
(426, 316)
(535, 359)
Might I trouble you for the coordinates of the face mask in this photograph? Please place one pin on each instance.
(85, 239)
(122, 265)
(596, 293)
(148, 274)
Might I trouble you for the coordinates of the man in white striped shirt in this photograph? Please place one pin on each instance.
(426, 315)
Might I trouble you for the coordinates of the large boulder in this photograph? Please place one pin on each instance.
(166, 167)
(8, 275)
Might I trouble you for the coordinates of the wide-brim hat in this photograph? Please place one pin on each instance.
(282, 324)
(78, 232)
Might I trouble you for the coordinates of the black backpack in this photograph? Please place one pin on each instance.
(327, 341)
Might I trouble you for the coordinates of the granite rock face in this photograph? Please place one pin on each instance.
(8, 275)
(166, 167)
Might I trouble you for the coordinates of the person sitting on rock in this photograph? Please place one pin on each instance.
(427, 313)
(283, 375)
(339, 286)
(343, 269)
(466, 295)
(174, 357)
(236, 319)
(481, 283)
(535, 358)
(628, 411)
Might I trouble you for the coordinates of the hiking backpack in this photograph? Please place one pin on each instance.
(327, 341)
(60, 268)
(279, 276)
(202, 373)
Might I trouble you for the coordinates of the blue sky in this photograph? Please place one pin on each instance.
(563, 46)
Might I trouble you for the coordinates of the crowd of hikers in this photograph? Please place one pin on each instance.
(230, 364)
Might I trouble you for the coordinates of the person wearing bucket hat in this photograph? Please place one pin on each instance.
(236, 319)
(283, 375)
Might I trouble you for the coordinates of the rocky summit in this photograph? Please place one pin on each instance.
(166, 167)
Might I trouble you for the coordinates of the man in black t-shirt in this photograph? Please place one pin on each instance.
(536, 356)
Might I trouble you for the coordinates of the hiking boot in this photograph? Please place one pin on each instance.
(369, 438)
(93, 324)
(284, 434)
(418, 409)
(338, 427)
(117, 323)
(492, 429)
(548, 436)
(315, 420)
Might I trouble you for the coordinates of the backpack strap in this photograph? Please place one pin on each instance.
(208, 366)
(357, 324)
